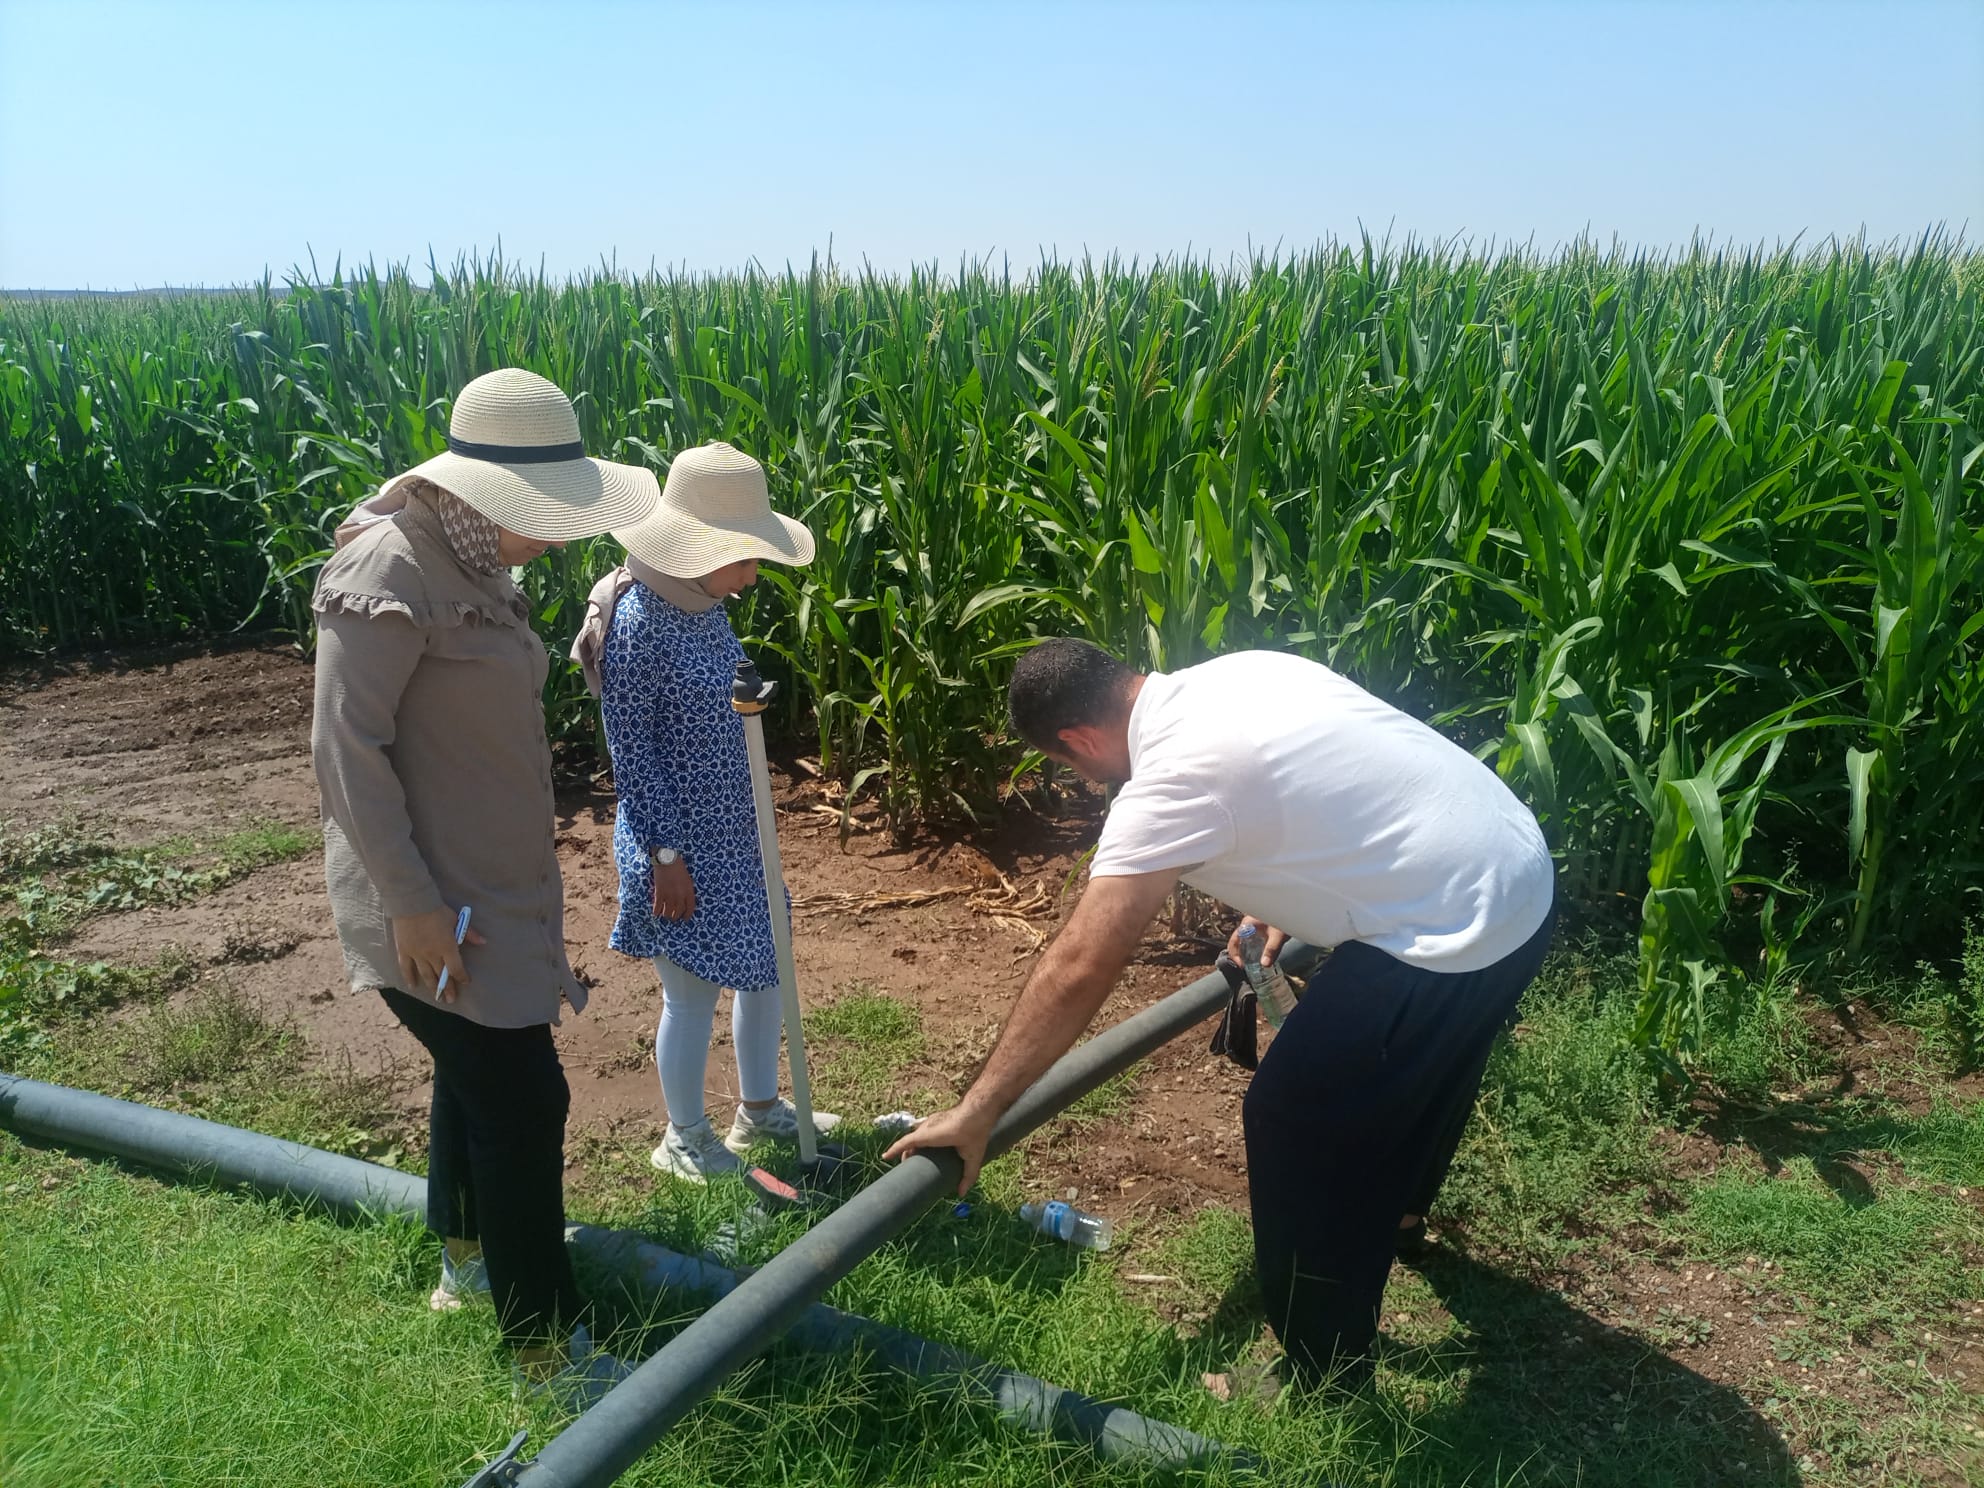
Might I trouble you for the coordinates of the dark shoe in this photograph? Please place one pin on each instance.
(1412, 1244)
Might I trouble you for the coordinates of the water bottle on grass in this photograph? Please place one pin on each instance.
(1270, 982)
(1064, 1221)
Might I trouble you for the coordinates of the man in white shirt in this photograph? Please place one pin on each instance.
(1289, 792)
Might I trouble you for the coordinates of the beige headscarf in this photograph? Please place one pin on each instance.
(590, 644)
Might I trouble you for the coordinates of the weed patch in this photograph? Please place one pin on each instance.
(867, 1040)
(1896, 1244)
(54, 878)
(1558, 1146)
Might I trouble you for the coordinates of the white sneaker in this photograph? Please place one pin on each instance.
(778, 1122)
(460, 1284)
(693, 1153)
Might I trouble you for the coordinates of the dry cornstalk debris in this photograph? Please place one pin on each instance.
(1007, 905)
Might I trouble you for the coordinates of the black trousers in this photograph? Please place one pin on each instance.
(496, 1162)
(1351, 1123)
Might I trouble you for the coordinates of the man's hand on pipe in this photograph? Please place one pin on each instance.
(966, 1128)
(1060, 1000)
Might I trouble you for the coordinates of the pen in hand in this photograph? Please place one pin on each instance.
(461, 933)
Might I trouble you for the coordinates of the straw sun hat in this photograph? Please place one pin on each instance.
(714, 510)
(514, 454)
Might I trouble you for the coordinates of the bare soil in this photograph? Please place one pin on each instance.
(208, 740)
(203, 741)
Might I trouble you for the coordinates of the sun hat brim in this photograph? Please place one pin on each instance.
(556, 501)
(688, 547)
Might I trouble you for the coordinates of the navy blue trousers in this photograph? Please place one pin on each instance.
(1352, 1121)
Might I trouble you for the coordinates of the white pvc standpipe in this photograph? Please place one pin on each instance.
(788, 976)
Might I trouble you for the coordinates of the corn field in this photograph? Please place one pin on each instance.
(1690, 549)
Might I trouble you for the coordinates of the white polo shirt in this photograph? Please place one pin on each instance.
(1294, 795)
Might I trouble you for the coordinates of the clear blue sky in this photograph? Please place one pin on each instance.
(145, 144)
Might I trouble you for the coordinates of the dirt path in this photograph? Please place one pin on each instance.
(206, 741)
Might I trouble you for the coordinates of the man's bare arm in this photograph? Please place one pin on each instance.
(1061, 998)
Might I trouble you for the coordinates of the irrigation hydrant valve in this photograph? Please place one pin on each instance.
(750, 693)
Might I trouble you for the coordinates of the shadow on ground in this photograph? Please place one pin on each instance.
(1573, 1400)
(1546, 1393)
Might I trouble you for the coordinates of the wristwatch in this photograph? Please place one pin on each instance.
(663, 857)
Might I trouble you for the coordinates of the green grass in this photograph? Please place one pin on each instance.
(56, 877)
(1898, 1235)
(1558, 1145)
(1110, 1098)
(1946, 1145)
(864, 1039)
(241, 852)
(165, 1334)
(1903, 1245)
(220, 1054)
(157, 1334)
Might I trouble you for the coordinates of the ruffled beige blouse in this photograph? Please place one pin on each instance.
(433, 768)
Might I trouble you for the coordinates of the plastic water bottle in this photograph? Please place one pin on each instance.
(1065, 1222)
(1270, 983)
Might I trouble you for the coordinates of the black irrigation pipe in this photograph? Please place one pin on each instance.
(750, 1315)
(1018, 1399)
(609, 1438)
(194, 1148)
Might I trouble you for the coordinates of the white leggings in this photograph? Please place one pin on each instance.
(682, 1042)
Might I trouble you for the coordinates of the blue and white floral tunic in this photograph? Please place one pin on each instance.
(684, 781)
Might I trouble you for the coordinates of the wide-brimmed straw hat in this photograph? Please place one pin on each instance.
(514, 454)
(714, 510)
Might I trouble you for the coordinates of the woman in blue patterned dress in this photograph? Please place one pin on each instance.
(659, 651)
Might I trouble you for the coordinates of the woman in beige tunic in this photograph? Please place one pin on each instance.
(435, 778)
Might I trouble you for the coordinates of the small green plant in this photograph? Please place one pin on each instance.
(1556, 1149)
(1675, 1327)
(51, 883)
(214, 1033)
(1966, 1004)
(55, 878)
(1947, 1005)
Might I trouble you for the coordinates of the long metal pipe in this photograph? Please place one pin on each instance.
(604, 1442)
(205, 1149)
(601, 1444)
(1019, 1399)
